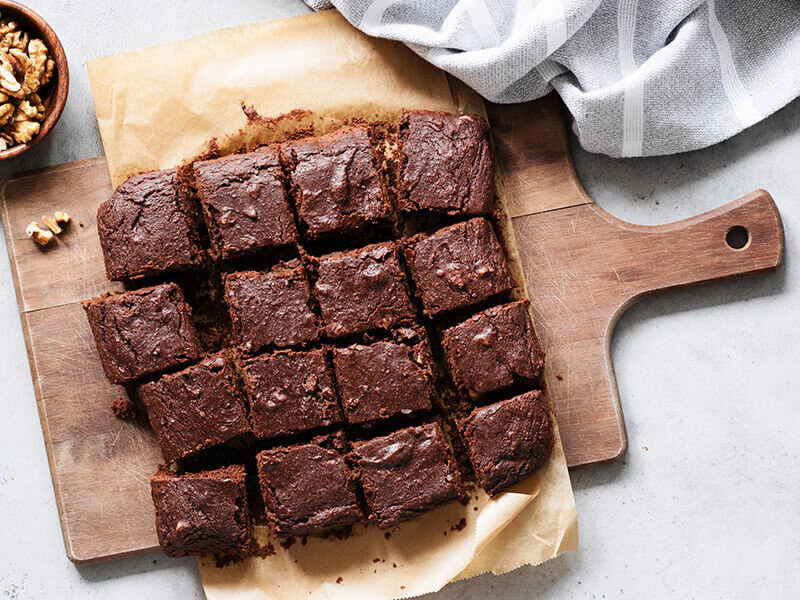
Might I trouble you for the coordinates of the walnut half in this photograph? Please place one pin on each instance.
(40, 236)
(25, 66)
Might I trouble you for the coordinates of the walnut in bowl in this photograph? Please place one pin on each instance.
(34, 79)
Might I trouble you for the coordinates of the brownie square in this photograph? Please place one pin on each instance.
(384, 379)
(509, 440)
(493, 349)
(149, 227)
(142, 332)
(406, 473)
(334, 183)
(289, 392)
(362, 290)
(194, 409)
(199, 513)
(445, 164)
(457, 266)
(271, 309)
(307, 488)
(244, 203)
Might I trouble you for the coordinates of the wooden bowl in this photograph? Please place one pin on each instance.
(54, 94)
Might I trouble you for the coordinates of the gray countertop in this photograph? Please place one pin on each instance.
(705, 504)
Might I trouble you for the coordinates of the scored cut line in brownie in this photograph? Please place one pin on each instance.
(149, 226)
(290, 392)
(493, 349)
(205, 512)
(406, 473)
(244, 203)
(271, 309)
(307, 488)
(446, 166)
(334, 183)
(195, 409)
(458, 266)
(508, 441)
(362, 290)
(384, 379)
(142, 332)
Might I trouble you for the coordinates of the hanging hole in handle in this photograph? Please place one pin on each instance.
(737, 237)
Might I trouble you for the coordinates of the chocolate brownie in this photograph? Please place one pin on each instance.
(493, 349)
(149, 226)
(307, 487)
(289, 392)
(244, 203)
(362, 290)
(198, 513)
(194, 409)
(406, 473)
(445, 164)
(509, 440)
(383, 379)
(142, 332)
(458, 266)
(271, 309)
(334, 183)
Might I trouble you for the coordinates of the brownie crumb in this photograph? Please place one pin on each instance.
(376, 560)
(559, 376)
(223, 560)
(394, 565)
(338, 580)
(475, 508)
(464, 501)
(123, 409)
(288, 542)
(387, 535)
(460, 525)
(264, 551)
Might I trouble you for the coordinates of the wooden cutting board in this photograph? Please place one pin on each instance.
(583, 267)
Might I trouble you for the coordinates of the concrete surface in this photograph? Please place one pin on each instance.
(705, 505)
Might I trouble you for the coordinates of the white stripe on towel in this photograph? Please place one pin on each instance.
(633, 102)
(482, 23)
(742, 104)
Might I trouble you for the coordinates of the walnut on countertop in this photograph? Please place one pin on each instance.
(25, 66)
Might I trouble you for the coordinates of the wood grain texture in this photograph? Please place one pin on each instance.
(583, 268)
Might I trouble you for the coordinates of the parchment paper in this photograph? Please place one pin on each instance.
(158, 107)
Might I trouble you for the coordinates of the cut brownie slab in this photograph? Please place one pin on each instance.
(271, 309)
(244, 203)
(195, 409)
(142, 332)
(334, 183)
(457, 266)
(446, 166)
(384, 379)
(149, 227)
(307, 488)
(198, 513)
(406, 473)
(493, 349)
(509, 440)
(290, 392)
(362, 290)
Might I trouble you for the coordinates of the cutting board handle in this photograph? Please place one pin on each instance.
(584, 267)
(742, 238)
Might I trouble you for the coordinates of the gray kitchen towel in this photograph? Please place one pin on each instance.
(640, 77)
